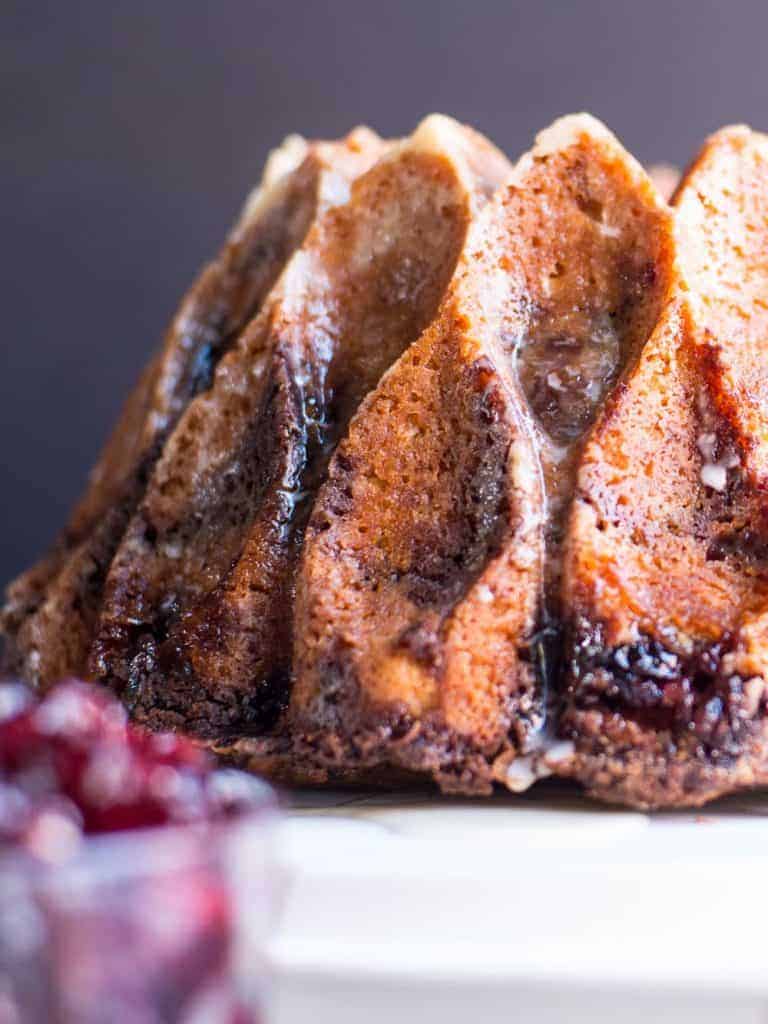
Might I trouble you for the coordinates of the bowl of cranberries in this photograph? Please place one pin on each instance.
(137, 880)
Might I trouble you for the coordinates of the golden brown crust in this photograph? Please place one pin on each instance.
(667, 567)
(197, 612)
(424, 564)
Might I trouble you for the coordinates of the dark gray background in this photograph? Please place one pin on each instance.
(132, 131)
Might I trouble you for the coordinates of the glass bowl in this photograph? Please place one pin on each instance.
(162, 925)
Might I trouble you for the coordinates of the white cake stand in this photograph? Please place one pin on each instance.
(545, 908)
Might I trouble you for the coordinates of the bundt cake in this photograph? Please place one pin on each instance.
(447, 468)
